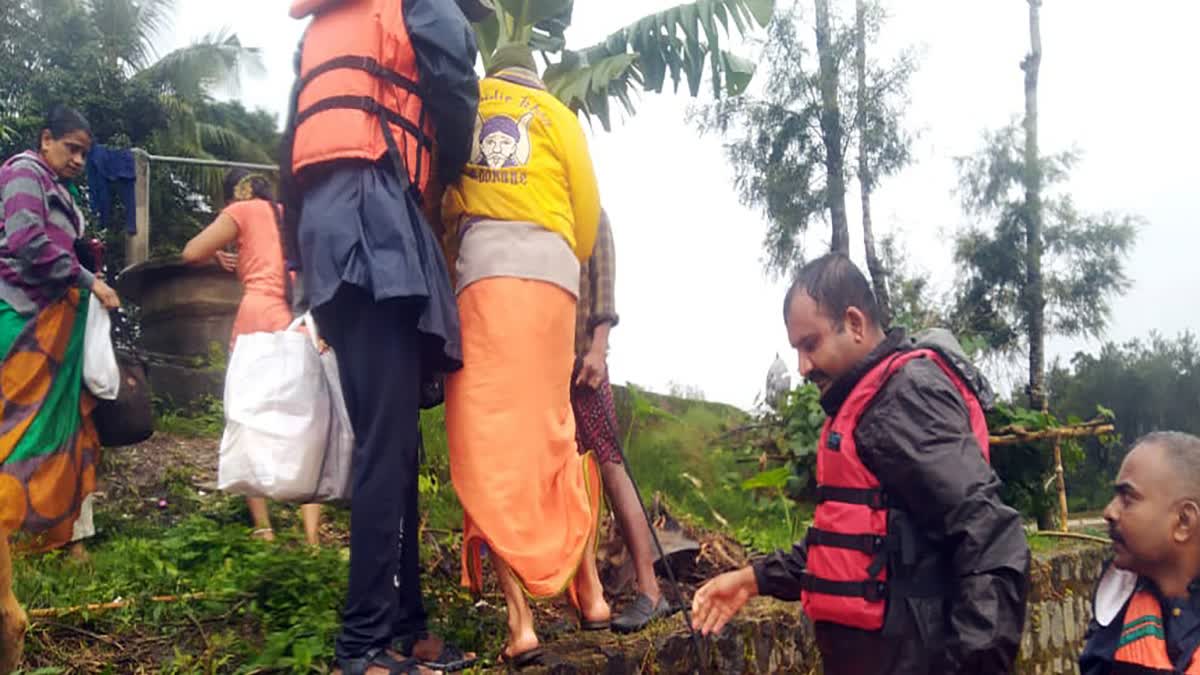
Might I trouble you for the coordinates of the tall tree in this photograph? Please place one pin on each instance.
(777, 143)
(1035, 298)
(1083, 255)
(831, 131)
(866, 180)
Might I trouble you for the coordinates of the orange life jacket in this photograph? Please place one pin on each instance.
(357, 95)
(1142, 649)
(846, 573)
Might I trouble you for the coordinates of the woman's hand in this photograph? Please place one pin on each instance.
(227, 261)
(106, 295)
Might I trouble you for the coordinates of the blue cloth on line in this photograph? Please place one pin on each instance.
(110, 165)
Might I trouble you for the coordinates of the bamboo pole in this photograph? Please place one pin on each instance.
(1048, 434)
(55, 612)
(1062, 485)
(1073, 535)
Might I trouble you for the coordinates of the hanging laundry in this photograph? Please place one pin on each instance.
(106, 166)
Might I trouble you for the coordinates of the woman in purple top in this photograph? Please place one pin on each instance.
(48, 444)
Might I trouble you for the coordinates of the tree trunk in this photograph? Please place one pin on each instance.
(866, 180)
(831, 133)
(1035, 301)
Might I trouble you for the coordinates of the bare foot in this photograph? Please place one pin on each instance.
(590, 595)
(264, 534)
(431, 646)
(78, 552)
(13, 623)
(380, 670)
(519, 644)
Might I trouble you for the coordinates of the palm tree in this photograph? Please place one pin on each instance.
(682, 42)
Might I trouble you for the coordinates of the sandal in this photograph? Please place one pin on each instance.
(378, 658)
(451, 659)
(532, 657)
(639, 614)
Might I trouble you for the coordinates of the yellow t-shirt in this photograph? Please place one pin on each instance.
(529, 162)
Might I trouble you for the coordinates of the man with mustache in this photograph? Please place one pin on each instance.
(1146, 607)
(913, 564)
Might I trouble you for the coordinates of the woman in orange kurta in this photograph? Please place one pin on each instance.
(251, 220)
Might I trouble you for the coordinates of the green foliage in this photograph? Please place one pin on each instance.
(1083, 261)
(205, 418)
(287, 596)
(1147, 385)
(96, 56)
(683, 42)
(1027, 469)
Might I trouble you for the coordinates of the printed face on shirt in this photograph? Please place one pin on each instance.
(66, 155)
(498, 150)
(827, 349)
(502, 142)
(1152, 514)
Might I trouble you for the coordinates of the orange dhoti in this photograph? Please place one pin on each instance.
(526, 492)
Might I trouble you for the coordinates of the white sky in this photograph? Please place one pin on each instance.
(695, 305)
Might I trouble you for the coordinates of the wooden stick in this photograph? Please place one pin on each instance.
(54, 612)
(1047, 434)
(1062, 485)
(1073, 535)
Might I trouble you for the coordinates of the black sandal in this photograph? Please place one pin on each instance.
(451, 659)
(532, 657)
(379, 658)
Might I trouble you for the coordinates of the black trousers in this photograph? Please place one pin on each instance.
(378, 354)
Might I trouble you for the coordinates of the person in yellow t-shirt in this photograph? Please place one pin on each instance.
(521, 220)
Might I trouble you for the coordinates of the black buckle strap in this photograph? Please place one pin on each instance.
(370, 106)
(871, 591)
(363, 63)
(872, 497)
(866, 543)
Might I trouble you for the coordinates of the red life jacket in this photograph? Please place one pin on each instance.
(846, 574)
(357, 90)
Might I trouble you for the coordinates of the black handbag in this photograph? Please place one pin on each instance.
(129, 418)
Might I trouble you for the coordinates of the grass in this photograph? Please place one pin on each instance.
(275, 607)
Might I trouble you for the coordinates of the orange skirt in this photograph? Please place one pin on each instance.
(527, 493)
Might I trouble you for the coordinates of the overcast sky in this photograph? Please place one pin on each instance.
(695, 305)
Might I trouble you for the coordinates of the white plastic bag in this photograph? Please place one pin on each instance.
(101, 375)
(334, 484)
(277, 416)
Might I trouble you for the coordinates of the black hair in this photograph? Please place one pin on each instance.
(260, 187)
(61, 120)
(835, 284)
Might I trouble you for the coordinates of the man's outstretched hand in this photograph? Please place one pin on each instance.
(721, 598)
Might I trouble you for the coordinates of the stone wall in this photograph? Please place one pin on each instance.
(770, 636)
(1060, 605)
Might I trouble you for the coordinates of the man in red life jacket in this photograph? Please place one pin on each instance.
(913, 564)
(1146, 608)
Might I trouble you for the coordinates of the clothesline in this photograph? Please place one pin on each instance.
(205, 162)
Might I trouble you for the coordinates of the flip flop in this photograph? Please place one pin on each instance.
(451, 659)
(594, 626)
(532, 657)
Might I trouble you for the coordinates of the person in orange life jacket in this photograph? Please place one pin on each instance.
(1146, 606)
(384, 104)
(914, 565)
